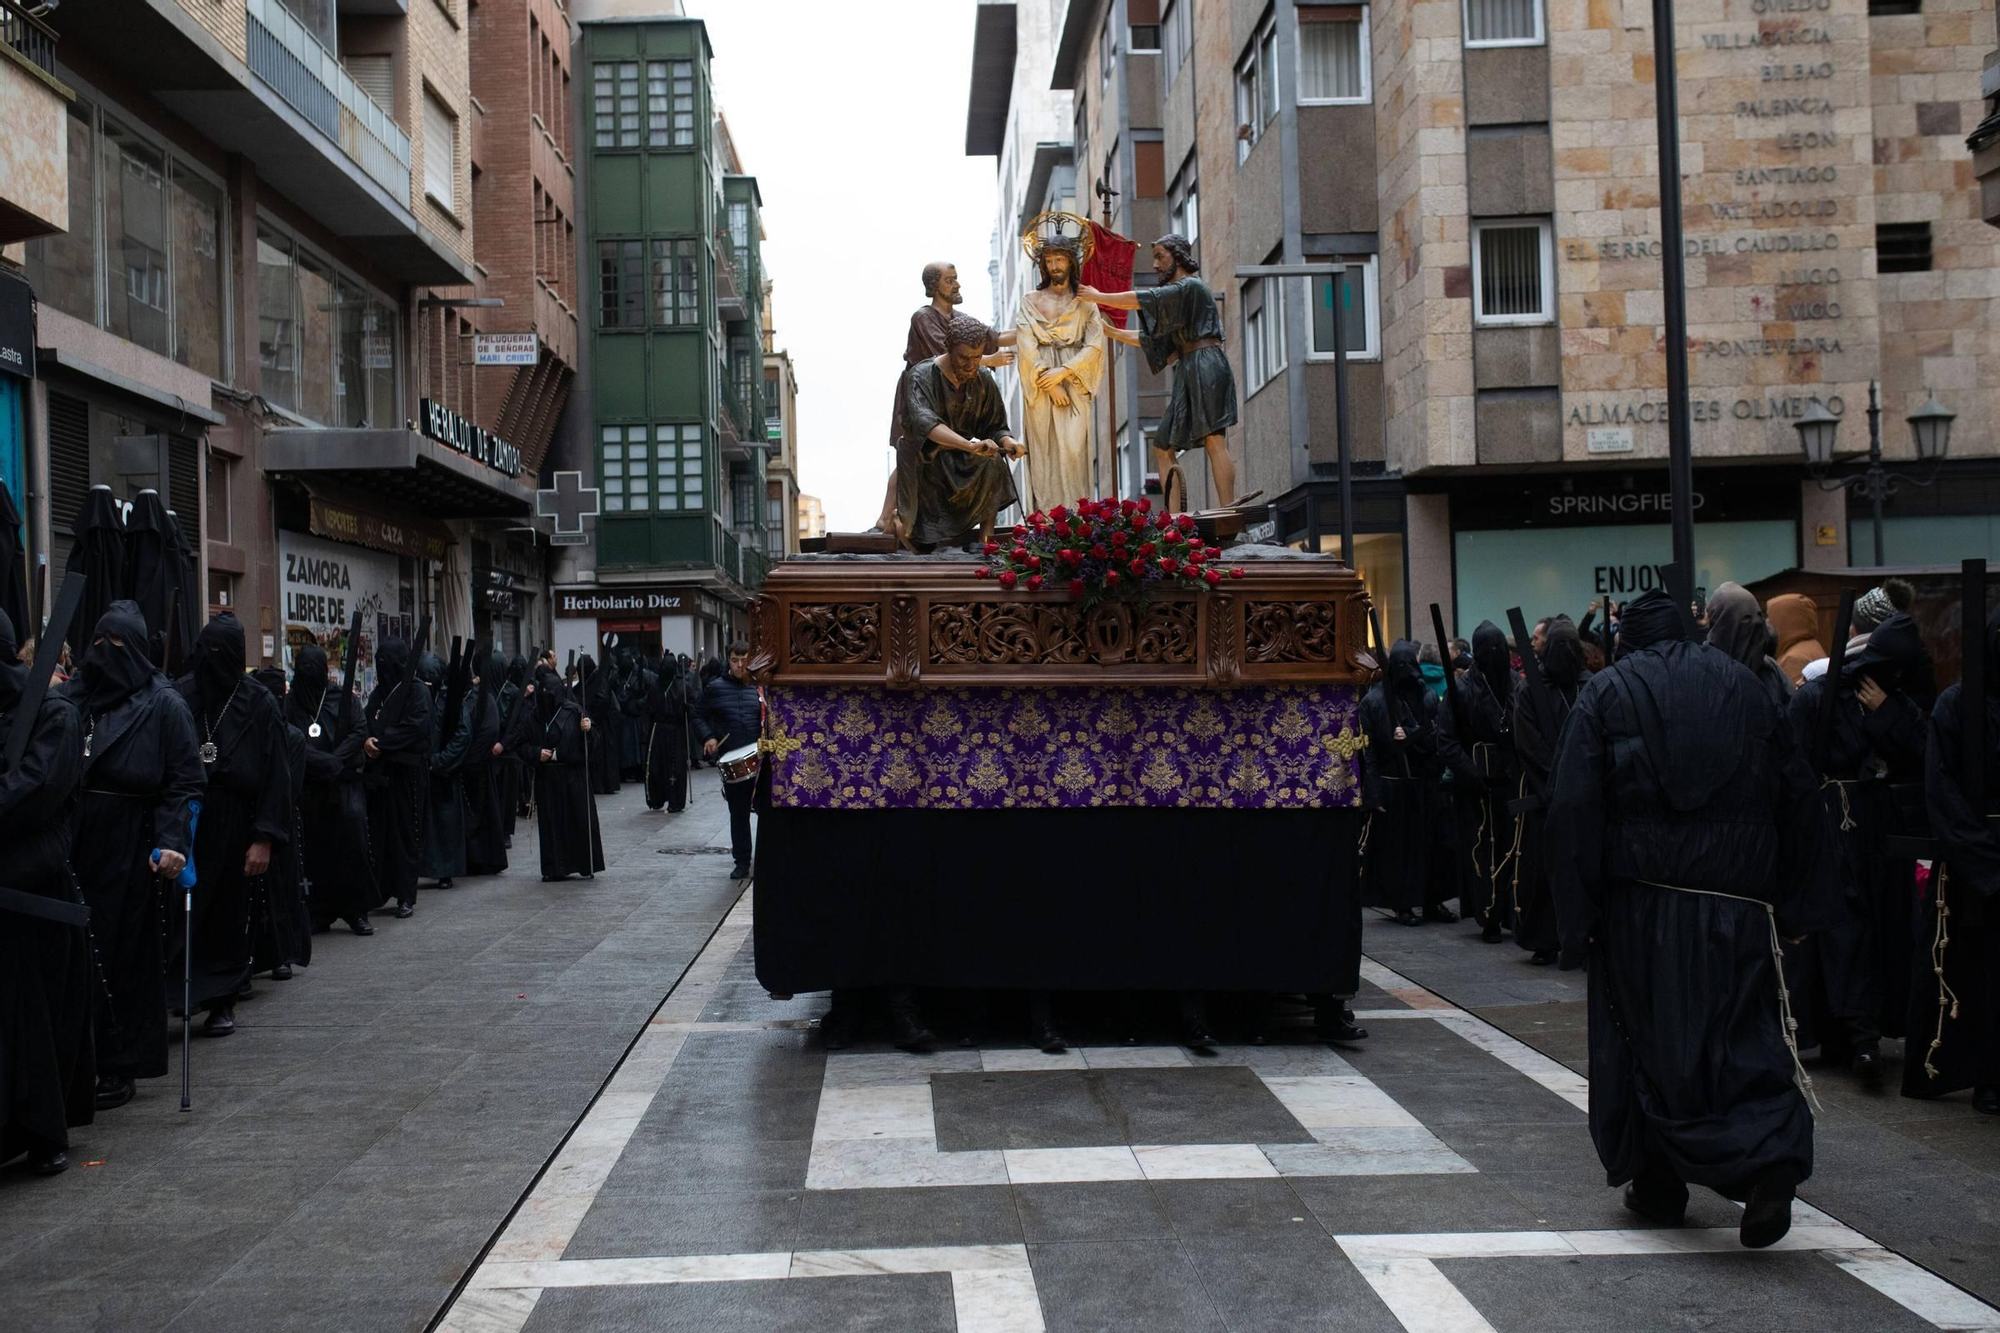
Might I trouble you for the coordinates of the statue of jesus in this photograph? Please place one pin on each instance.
(1059, 340)
(1180, 327)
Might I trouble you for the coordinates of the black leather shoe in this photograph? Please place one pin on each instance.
(49, 1164)
(1658, 1198)
(1867, 1065)
(219, 1023)
(1768, 1215)
(1051, 1041)
(405, 910)
(282, 972)
(739, 871)
(1492, 934)
(1441, 914)
(1408, 918)
(836, 1030)
(359, 924)
(1986, 1100)
(444, 883)
(1542, 957)
(113, 1093)
(907, 1033)
(1199, 1040)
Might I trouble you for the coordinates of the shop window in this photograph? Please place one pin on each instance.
(621, 284)
(1903, 247)
(676, 281)
(1357, 307)
(1333, 54)
(1513, 272)
(1263, 330)
(615, 103)
(1503, 22)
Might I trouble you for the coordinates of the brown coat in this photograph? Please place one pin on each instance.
(1795, 620)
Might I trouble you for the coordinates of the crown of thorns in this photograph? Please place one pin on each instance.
(1058, 231)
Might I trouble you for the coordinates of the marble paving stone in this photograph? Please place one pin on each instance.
(1211, 1161)
(1232, 1207)
(1009, 1061)
(1211, 1104)
(902, 1303)
(898, 1163)
(999, 1302)
(1339, 1103)
(717, 1168)
(1090, 1287)
(875, 1112)
(864, 1070)
(1028, 1109)
(1305, 1061)
(1411, 1151)
(1641, 1294)
(1361, 1204)
(1134, 1057)
(1043, 1166)
(942, 1215)
(1101, 1210)
(909, 1259)
(1281, 1282)
(692, 1224)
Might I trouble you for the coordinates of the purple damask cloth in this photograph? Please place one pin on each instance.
(1279, 747)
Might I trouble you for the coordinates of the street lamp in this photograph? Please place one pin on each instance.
(1930, 429)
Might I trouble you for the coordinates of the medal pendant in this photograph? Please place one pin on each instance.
(313, 731)
(209, 754)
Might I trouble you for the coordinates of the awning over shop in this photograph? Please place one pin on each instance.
(413, 470)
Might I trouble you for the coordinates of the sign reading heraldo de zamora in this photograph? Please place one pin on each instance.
(448, 428)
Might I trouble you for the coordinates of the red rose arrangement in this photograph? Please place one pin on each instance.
(1105, 549)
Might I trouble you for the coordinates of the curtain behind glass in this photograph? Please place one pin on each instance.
(1330, 60)
(1510, 271)
(63, 269)
(135, 239)
(198, 309)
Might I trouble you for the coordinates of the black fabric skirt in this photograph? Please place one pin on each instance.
(1106, 899)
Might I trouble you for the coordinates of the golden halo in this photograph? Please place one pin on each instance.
(1057, 224)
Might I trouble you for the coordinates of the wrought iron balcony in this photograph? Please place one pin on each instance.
(34, 39)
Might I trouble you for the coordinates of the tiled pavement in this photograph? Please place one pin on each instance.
(384, 1117)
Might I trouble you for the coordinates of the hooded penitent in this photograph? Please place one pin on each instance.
(309, 671)
(1562, 655)
(1671, 679)
(1495, 663)
(217, 661)
(115, 666)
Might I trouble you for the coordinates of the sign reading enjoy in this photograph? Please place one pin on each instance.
(448, 428)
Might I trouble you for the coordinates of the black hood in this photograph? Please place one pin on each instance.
(430, 669)
(517, 670)
(1893, 654)
(113, 672)
(1562, 654)
(272, 678)
(549, 694)
(217, 660)
(1494, 663)
(1736, 624)
(13, 674)
(1403, 674)
(1651, 618)
(309, 670)
(392, 662)
(1697, 714)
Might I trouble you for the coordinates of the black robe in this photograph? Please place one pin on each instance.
(1954, 1029)
(607, 725)
(141, 771)
(1481, 719)
(336, 852)
(1674, 774)
(565, 810)
(1401, 781)
(398, 717)
(1527, 882)
(485, 816)
(248, 799)
(46, 1069)
(507, 768)
(1860, 959)
(444, 807)
(633, 688)
(282, 916)
(668, 727)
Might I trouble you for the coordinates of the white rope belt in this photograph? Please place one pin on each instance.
(1846, 813)
(1787, 1024)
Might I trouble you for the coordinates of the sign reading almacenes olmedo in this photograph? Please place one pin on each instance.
(624, 601)
(448, 428)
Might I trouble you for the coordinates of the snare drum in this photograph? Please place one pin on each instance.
(740, 765)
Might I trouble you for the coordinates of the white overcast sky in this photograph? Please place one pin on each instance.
(852, 118)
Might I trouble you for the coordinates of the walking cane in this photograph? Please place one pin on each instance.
(589, 796)
(187, 994)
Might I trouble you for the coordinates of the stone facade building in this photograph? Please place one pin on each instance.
(1487, 170)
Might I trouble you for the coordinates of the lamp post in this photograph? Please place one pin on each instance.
(1930, 431)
